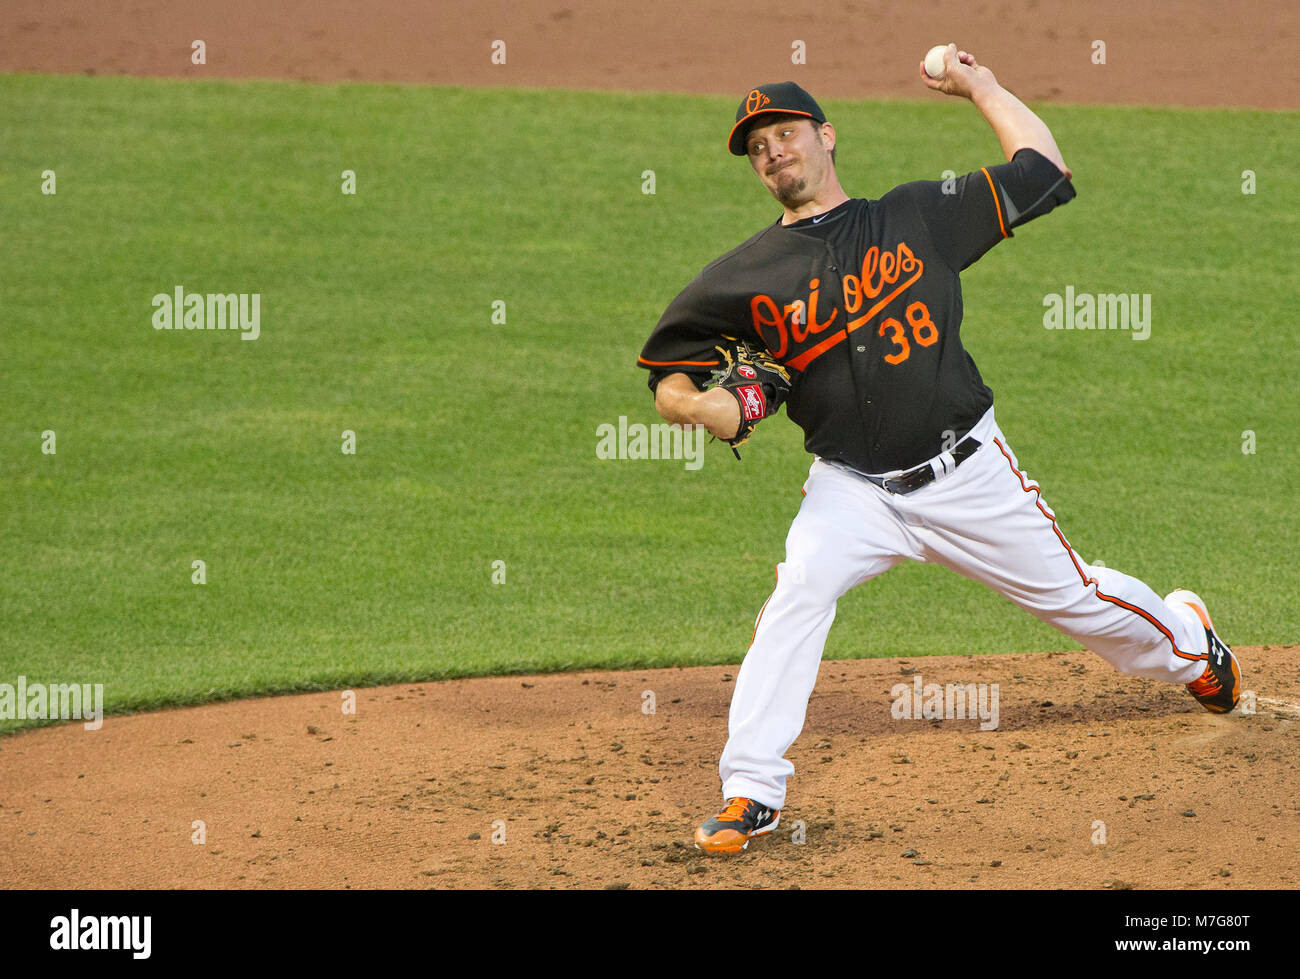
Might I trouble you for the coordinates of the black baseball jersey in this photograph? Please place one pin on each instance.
(863, 305)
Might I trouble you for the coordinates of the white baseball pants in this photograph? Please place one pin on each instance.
(985, 520)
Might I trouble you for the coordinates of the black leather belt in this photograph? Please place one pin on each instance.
(923, 475)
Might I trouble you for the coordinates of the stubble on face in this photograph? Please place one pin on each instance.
(790, 190)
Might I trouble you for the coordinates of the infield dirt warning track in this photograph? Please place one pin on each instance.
(1187, 52)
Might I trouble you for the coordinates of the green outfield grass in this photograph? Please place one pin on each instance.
(476, 442)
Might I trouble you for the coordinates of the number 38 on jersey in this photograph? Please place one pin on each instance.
(923, 332)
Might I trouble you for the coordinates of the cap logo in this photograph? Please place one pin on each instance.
(756, 101)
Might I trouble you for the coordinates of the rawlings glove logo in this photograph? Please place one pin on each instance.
(751, 402)
(759, 384)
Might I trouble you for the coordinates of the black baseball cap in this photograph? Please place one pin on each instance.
(785, 98)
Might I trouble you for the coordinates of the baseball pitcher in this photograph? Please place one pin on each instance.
(849, 312)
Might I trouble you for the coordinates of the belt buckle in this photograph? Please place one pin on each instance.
(900, 485)
(903, 483)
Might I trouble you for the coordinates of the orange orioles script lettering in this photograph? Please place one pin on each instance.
(785, 329)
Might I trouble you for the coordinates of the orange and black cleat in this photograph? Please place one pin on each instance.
(731, 830)
(1219, 687)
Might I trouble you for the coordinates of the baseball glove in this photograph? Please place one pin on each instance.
(758, 383)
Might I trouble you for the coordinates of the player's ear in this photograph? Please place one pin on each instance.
(827, 134)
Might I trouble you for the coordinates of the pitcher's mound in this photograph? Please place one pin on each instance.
(1091, 779)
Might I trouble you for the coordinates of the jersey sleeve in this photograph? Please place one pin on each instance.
(684, 338)
(970, 215)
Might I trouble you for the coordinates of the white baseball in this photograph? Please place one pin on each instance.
(934, 61)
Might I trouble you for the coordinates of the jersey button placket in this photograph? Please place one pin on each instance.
(832, 269)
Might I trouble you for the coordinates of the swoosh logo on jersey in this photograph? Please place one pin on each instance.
(818, 220)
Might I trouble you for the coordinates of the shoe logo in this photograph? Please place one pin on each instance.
(1218, 654)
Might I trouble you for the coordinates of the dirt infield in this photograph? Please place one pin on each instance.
(1182, 52)
(565, 781)
(1090, 780)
